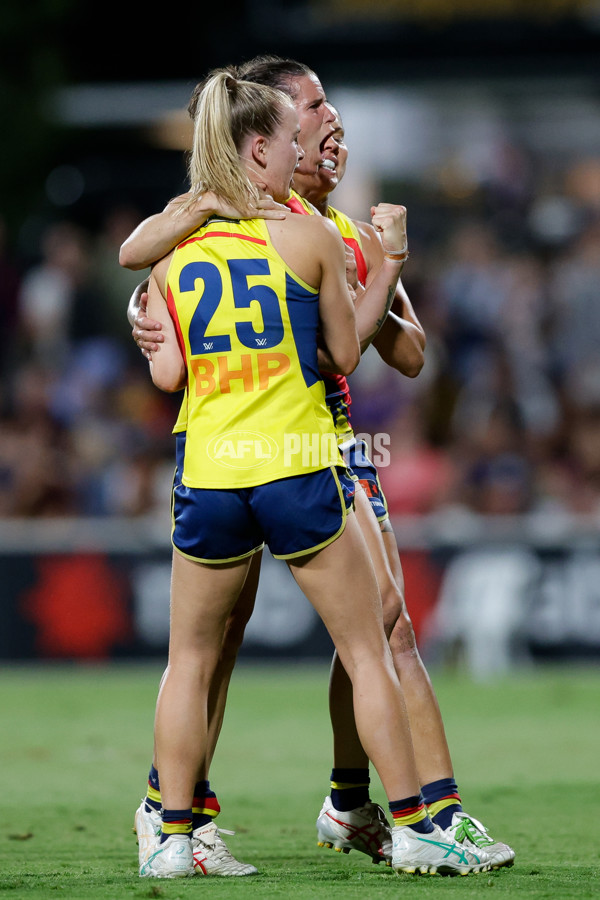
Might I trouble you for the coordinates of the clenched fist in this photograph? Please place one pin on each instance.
(390, 220)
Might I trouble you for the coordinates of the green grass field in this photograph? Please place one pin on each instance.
(76, 747)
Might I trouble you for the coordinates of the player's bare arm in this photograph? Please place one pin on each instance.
(138, 299)
(384, 245)
(401, 344)
(158, 234)
(167, 365)
(341, 347)
(400, 340)
(146, 332)
(313, 248)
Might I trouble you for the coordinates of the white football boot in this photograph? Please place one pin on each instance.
(212, 855)
(171, 859)
(434, 853)
(147, 825)
(365, 829)
(471, 833)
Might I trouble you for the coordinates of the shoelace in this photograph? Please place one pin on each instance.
(474, 831)
(218, 847)
(220, 853)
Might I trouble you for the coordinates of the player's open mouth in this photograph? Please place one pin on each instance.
(328, 159)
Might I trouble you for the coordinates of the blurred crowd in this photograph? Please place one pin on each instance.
(83, 432)
(503, 419)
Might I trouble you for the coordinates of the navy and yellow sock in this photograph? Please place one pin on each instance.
(175, 821)
(349, 788)
(205, 805)
(442, 800)
(412, 812)
(153, 800)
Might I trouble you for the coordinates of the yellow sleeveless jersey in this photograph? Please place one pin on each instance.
(336, 386)
(254, 407)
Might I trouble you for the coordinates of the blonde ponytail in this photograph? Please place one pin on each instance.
(225, 110)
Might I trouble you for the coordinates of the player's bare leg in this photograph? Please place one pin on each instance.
(432, 754)
(211, 854)
(181, 720)
(428, 735)
(196, 638)
(232, 641)
(379, 708)
(427, 727)
(434, 763)
(351, 612)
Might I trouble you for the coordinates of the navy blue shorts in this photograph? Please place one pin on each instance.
(365, 471)
(294, 516)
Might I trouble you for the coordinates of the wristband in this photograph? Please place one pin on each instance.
(396, 255)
